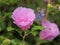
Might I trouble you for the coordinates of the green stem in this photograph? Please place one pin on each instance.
(24, 38)
(46, 11)
(38, 43)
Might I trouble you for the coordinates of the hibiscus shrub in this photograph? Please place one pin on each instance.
(28, 22)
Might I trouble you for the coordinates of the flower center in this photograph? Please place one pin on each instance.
(23, 22)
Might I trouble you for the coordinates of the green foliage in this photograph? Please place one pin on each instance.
(7, 2)
(10, 29)
(6, 42)
(10, 34)
(1, 39)
(37, 28)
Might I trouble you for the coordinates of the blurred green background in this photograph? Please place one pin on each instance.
(8, 31)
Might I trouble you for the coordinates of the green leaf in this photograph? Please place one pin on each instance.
(19, 31)
(9, 35)
(3, 2)
(34, 30)
(6, 42)
(10, 29)
(2, 26)
(34, 33)
(13, 42)
(1, 39)
(37, 28)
